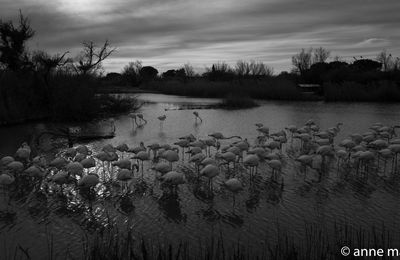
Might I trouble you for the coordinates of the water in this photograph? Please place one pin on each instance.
(262, 210)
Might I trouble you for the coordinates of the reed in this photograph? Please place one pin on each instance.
(316, 243)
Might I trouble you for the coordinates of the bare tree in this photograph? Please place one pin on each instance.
(189, 70)
(253, 68)
(337, 58)
(260, 69)
(133, 67)
(220, 66)
(242, 68)
(46, 63)
(386, 60)
(302, 61)
(13, 54)
(91, 57)
(320, 55)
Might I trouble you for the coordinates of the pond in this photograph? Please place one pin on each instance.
(263, 209)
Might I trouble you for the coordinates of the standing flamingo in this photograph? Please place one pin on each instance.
(140, 116)
(234, 186)
(162, 119)
(196, 114)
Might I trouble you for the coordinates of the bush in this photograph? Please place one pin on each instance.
(381, 91)
(65, 97)
(236, 101)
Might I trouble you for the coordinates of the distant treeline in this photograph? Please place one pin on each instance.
(360, 80)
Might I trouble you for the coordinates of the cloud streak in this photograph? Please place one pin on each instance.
(168, 33)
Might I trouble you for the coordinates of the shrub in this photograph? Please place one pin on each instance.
(351, 91)
(236, 101)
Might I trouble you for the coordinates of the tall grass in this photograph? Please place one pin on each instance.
(316, 243)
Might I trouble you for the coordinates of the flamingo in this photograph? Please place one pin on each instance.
(171, 156)
(220, 136)
(122, 148)
(263, 130)
(124, 175)
(142, 156)
(234, 185)
(137, 149)
(88, 163)
(197, 159)
(133, 119)
(305, 160)
(6, 160)
(140, 116)
(123, 164)
(70, 153)
(162, 167)
(108, 148)
(228, 157)
(210, 142)
(162, 119)
(259, 151)
(342, 156)
(15, 166)
(89, 181)
(252, 162)
(61, 178)
(196, 115)
(276, 166)
(24, 152)
(210, 171)
(189, 137)
(35, 172)
(395, 149)
(83, 149)
(6, 180)
(194, 150)
(74, 168)
(79, 157)
(154, 147)
(365, 158)
(385, 154)
(184, 143)
(59, 163)
(207, 161)
(173, 178)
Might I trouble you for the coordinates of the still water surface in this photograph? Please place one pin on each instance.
(262, 210)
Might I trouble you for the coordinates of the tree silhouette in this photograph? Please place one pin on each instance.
(148, 73)
(91, 57)
(13, 54)
(302, 61)
(320, 55)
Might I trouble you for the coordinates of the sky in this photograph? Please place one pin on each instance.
(169, 33)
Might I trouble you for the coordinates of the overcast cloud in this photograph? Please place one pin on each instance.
(168, 33)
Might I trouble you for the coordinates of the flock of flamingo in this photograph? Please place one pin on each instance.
(232, 157)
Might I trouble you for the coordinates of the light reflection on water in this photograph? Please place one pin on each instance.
(262, 209)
